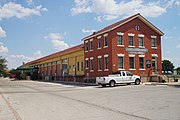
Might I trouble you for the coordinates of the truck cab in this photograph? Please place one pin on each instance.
(118, 78)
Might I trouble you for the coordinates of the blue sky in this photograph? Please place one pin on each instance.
(30, 29)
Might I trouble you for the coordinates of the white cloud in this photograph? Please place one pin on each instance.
(38, 53)
(3, 49)
(88, 31)
(54, 36)
(2, 32)
(59, 45)
(111, 9)
(22, 57)
(29, 1)
(11, 9)
(57, 41)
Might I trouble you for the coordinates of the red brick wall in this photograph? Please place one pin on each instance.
(112, 50)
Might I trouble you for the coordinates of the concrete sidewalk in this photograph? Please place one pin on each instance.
(174, 84)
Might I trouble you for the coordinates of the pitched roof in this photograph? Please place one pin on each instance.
(72, 49)
(122, 22)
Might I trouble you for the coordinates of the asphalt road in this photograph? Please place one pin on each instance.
(32, 100)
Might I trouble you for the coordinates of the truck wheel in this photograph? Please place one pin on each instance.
(137, 82)
(112, 83)
(103, 85)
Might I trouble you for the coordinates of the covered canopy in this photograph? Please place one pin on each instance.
(26, 68)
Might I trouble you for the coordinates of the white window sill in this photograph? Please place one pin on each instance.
(106, 69)
(86, 68)
(154, 47)
(121, 69)
(142, 69)
(91, 70)
(99, 70)
(120, 45)
(141, 47)
(131, 46)
(132, 69)
(86, 51)
(91, 50)
(99, 48)
(105, 46)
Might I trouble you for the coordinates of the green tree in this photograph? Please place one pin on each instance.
(167, 65)
(3, 66)
(178, 70)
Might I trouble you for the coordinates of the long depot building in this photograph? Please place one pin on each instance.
(132, 44)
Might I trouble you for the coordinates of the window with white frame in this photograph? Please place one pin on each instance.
(105, 41)
(141, 42)
(100, 63)
(131, 40)
(86, 64)
(91, 45)
(153, 42)
(120, 62)
(86, 46)
(91, 64)
(131, 63)
(99, 42)
(106, 62)
(120, 40)
(141, 62)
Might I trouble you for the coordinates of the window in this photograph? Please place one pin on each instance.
(78, 66)
(131, 62)
(91, 45)
(129, 74)
(106, 63)
(153, 42)
(131, 41)
(99, 43)
(120, 62)
(64, 60)
(91, 64)
(86, 46)
(99, 63)
(105, 41)
(82, 66)
(86, 64)
(120, 40)
(141, 62)
(141, 41)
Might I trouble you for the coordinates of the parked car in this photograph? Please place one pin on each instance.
(117, 78)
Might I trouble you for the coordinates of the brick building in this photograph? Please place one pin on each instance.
(133, 44)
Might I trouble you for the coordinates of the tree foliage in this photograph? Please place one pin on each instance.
(3, 66)
(178, 70)
(167, 65)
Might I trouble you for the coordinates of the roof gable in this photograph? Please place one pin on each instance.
(122, 22)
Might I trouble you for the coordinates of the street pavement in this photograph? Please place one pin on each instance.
(32, 100)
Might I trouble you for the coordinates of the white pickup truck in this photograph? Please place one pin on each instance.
(117, 78)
